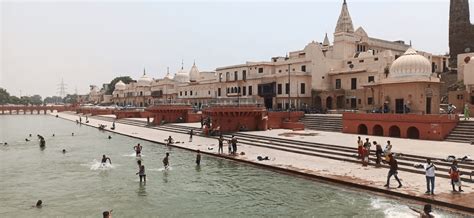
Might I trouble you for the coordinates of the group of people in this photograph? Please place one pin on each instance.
(231, 144)
(363, 149)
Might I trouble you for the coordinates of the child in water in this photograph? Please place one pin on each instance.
(141, 173)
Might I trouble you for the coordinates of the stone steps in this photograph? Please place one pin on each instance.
(323, 123)
(464, 132)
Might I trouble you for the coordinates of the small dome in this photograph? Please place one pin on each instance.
(194, 73)
(182, 76)
(120, 85)
(168, 76)
(144, 80)
(410, 64)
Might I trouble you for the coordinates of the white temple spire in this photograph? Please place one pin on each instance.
(326, 40)
(344, 23)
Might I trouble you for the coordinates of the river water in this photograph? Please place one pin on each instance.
(74, 184)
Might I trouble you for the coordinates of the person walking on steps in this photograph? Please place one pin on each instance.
(430, 176)
(393, 171)
(378, 152)
(191, 135)
(455, 176)
(221, 145)
(360, 144)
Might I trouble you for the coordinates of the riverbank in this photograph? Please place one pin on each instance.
(330, 170)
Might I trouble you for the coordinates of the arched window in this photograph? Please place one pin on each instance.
(362, 129)
(394, 131)
(377, 130)
(413, 133)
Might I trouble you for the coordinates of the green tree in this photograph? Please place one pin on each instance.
(4, 96)
(53, 100)
(14, 100)
(125, 79)
(70, 99)
(36, 100)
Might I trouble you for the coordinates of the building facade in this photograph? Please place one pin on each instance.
(322, 76)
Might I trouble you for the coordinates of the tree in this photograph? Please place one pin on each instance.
(4, 96)
(36, 100)
(70, 99)
(125, 79)
(53, 100)
(14, 100)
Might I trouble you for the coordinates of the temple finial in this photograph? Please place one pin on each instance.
(182, 64)
(144, 72)
(344, 23)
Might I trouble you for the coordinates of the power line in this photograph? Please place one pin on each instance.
(62, 89)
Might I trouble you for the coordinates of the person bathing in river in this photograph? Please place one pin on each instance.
(138, 150)
(104, 159)
(141, 173)
(166, 162)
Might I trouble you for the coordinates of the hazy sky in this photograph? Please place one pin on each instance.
(92, 42)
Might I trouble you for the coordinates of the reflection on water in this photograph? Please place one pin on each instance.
(141, 189)
(77, 184)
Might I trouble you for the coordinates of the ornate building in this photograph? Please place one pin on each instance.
(322, 76)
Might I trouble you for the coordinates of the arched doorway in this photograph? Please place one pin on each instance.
(362, 129)
(318, 103)
(377, 130)
(394, 131)
(413, 133)
(329, 103)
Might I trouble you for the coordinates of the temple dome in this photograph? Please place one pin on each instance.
(410, 64)
(182, 76)
(168, 76)
(120, 85)
(144, 80)
(194, 73)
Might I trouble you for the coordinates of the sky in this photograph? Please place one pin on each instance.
(92, 42)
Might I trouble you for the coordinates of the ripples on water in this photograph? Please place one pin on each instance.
(72, 185)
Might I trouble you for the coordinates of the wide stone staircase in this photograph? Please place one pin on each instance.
(464, 132)
(330, 151)
(323, 122)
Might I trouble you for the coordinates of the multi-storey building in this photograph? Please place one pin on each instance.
(322, 76)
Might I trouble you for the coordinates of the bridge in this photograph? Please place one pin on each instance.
(34, 109)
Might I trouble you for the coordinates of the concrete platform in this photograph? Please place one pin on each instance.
(347, 173)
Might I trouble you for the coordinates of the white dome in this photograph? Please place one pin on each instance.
(168, 76)
(410, 64)
(144, 80)
(194, 73)
(120, 85)
(182, 76)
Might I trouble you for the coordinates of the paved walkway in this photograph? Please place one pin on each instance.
(371, 177)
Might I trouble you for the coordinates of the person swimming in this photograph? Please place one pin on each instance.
(53, 135)
(72, 134)
(39, 204)
(138, 149)
(110, 137)
(105, 158)
(27, 140)
(64, 151)
(107, 214)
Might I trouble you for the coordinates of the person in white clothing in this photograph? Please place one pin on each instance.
(430, 176)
